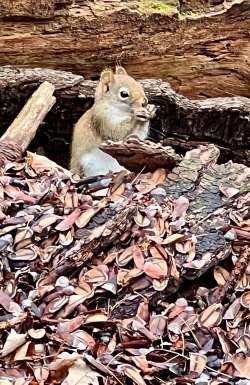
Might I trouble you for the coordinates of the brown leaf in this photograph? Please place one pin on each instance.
(244, 342)
(66, 238)
(124, 276)
(26, 254)
(138, 257)
(143, 311)
(65, 328)
(157, 325)
(141, 220)
(55, 305)
(36, 334)
(226, 343)
(179, 307)
(88, 214)
(172, 238)
(211, 316)
(245, 300)
(14, 340)
(197, 363)
(242, 365)
(9, 305)
(131, 372)
(142, 363)
(68, 222)
(97, 276)
(221, 275)
(96, 318)
(232, 310)
(145, 188)
(81, 374)
(41, 163)
(156, 268)
(181, 206)
(73, 302)
(44, 222)
(160, 284)
(41, 374)
(125, 257)
(23, 233)
(21, 352)
(84, 289)
(82, 340)
(159, 176)
(16, 194)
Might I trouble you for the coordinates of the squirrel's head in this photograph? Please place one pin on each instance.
(123, 92)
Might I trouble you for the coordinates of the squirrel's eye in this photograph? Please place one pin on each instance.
(124, 94)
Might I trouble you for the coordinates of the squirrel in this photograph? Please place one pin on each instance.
(120, 109)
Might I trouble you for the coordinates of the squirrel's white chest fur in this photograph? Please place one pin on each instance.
(116, 116)
(97, 162)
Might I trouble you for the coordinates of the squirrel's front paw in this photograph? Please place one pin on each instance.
(152, 110)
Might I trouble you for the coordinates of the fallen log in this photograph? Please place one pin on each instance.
(205, 54)
(179, 121)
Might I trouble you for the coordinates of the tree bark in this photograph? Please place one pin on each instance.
(181, 122)
(200, 54)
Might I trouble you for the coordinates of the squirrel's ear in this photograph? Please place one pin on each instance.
(107, 76)
(120, 70)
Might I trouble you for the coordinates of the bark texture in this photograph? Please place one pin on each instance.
(200, 54)
(181, 122)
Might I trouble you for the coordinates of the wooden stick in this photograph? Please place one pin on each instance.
(24, 127)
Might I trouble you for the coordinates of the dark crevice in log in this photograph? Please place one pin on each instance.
(184, 123)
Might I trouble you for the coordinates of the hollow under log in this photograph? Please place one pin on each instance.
(181, 122)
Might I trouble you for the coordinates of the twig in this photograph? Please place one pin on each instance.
(24, 127)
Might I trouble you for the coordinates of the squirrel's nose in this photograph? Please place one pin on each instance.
(145, 102)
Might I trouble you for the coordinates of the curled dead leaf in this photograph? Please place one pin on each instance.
(197, 363)
(13, 341)
(245, 300)
(157, 325)
(156, 268)
(27, 254)
(211, 316)
(131, 372)
(221, 275)
(97, 276)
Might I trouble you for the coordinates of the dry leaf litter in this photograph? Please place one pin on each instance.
(106, 290)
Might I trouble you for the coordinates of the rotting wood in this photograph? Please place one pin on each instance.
(181, 121)
(200, 55)
(137, 155)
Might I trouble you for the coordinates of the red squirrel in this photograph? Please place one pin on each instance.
(120, 109)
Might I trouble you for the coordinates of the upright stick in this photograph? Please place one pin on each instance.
(24, 127)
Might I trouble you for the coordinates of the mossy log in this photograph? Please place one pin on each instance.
(200, 53)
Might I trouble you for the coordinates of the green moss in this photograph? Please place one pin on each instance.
(191, 14)
(156, 6)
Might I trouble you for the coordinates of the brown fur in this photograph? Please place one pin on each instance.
(110, 117)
